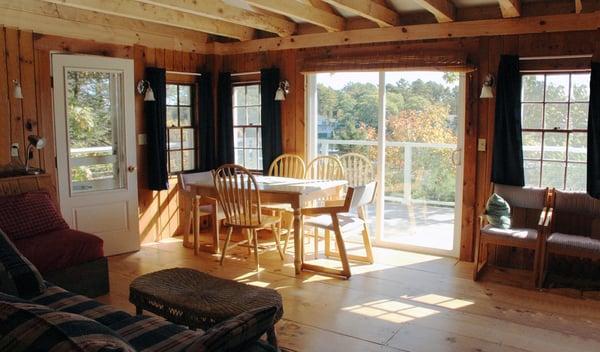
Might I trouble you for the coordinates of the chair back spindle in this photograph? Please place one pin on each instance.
(358, 169)
(239, 195)
(288, 165)
(325, 167)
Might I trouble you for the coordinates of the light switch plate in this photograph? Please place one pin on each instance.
(141, 139)
(481, 145)
(14, 150)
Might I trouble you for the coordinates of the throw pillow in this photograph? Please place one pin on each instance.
(236, 333)
(19, 275)
(25, 326)
(29, 214)
(497, 211)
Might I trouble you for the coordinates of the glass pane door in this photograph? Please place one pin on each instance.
(421, 158)
(94, 127)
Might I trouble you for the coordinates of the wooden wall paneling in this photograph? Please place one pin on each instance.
(28, 84)
(45, 114)
(5, 139)
(81, 46)
(169, 60)
(14, 74)
(288, 106)
(177, 61)
(160, 58)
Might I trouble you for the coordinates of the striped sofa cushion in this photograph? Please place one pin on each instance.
(155, 334)
(237, 333)
(59, 299)
(26, 326)
(19, 276)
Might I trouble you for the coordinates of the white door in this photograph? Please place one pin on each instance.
(95, 147)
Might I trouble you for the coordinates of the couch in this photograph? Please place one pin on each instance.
(69, 258)
(36, 315)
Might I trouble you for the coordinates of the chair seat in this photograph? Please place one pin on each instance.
(266, 221)
(208, 209)
(523, 234)
(559, 240)
(348, 222)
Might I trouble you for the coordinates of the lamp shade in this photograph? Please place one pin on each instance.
(36, 141)
(486, 92)
(149, 96)
(279, 94)
(18, 92)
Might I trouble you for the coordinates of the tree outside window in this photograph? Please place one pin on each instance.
(181, 145)
(247, 137)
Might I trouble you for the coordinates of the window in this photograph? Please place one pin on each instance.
(554, 120)
(247, 126)
(181, 145)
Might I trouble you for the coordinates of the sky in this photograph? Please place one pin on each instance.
(340, 79)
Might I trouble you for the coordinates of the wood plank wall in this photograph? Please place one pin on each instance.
(25, 57)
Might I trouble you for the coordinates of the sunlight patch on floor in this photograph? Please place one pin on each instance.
(442, 301)
(391, 310)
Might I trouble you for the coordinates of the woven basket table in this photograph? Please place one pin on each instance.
(199, 300)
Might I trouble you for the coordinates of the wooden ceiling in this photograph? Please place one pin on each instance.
(230, 26)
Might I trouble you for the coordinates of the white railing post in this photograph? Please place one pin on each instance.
(407, 174)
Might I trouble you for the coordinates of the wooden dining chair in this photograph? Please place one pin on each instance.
(325, 167)
(342, 220)
(239, 197)
(358, 169)
(292, 166)
(203, 206)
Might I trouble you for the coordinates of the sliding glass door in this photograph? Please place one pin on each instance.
(409, 124)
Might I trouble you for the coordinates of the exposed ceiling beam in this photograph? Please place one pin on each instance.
(510, 8)
(443, 10)
(382, 15)
(578, 6)
(302, 11)
(152, 13)
(219, 10)
(56, 19)
(479, 28)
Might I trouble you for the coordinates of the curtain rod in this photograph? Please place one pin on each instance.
(555, 57)
(184, 73)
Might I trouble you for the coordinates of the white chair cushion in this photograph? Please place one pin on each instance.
(558, 239)
(348, 222)
(515, 233)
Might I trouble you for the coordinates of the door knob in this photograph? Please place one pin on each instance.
(131, 168)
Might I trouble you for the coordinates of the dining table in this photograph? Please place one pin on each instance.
(295, 192)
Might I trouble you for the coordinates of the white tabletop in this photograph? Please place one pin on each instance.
(283, 184)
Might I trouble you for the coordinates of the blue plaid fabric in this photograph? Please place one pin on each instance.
(25, 326)
(19, 276)
(236, 334)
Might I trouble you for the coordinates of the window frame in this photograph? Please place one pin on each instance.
(193, 125)
(543, 131)
(244, 127)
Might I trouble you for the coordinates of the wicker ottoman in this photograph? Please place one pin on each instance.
(198, 300)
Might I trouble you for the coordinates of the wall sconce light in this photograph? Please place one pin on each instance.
(35, 142)
(486, 90)
(17, 91)
(282, 90)
(143, 87)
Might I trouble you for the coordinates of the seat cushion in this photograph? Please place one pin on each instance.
(151, 333)
(561, 240)
(26, 326)
(29, 214)
(60, 249)
(514, 233)
(348, 222)
(18, 276)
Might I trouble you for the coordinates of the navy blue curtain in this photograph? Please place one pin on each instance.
(206, 124)
(225, 117)
(507, 166)
(155, 113)
(270, 117)
(593, 142)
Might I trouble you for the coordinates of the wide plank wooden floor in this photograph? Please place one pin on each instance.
(403, 302)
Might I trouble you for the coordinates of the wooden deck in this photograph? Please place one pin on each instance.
(404, 302)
